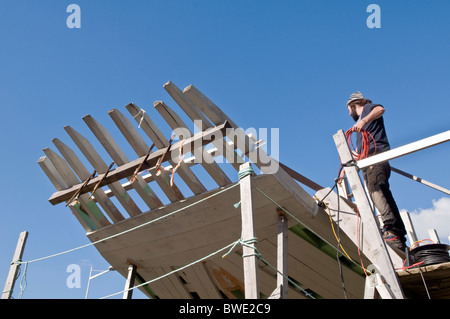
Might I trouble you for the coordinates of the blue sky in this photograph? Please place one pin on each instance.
(268, 64)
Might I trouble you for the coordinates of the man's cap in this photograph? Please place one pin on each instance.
(355, 96)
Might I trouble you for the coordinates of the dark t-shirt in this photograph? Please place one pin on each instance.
(376, 129)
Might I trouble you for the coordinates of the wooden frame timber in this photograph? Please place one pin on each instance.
(145, 162)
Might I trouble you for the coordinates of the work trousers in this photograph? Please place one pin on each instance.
(377, 181)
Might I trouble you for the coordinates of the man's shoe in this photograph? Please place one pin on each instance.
(393, 240)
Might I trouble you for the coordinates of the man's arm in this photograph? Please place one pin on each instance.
(376, 113)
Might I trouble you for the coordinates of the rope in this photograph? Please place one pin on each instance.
(142, 118)
(245, 172)
(254, 240)
(297, 220)
(131, 229)
(174, 271)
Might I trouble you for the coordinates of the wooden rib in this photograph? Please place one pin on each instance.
(82, 172)
(153, 132)
(127, 170)
(196, 115)
(116, 153)
(141, 148)
(245, 143)
(207, 161)
(97, 162)
(87, 204)
(211, 110)
(216, 115)
(56, 179)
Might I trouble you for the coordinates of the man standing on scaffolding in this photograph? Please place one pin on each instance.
(368, 117)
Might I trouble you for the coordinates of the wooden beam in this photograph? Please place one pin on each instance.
(406, 218)
(380, 254)
(126, 170)
(15, 265)
(420, 180)
(406, 149)
(282, 254)
(248, 237)
(128, 293)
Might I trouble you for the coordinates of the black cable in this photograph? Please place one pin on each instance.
(431, 254)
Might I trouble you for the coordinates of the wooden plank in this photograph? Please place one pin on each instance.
(434, 236)
(141, 148)
(116, 153)
(211, 110)
(55, 177)
(15, 265)
(437, 278)
(87, 204)
(127, 169)
(207, 161)
(100, 166)
(202, 122)
(82, 172)
(248, 237)
(420, 180)
(380, 254)
(405, 149)
(129, 283)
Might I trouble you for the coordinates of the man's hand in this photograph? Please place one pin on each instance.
(358, 127)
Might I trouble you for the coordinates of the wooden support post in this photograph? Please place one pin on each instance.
(248, 236)
(282, 254)
(128, 293)
(11, 279)
(406, 218)
(380, 256)
(434, 236)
